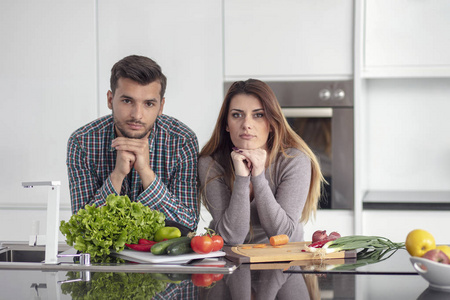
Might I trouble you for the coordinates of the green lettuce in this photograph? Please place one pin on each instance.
(113, 286)
(97, 230)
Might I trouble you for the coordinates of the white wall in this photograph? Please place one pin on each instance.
(395, 225)
(48, 82)
(55, 64)
(47, 78)
(184, 37)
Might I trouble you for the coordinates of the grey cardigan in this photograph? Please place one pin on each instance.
(279, 197)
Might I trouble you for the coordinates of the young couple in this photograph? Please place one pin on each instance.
(257, 177)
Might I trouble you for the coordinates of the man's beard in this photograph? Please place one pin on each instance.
(118, 126)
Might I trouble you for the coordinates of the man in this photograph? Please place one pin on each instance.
(136, 151)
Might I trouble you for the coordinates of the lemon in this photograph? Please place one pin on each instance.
(445, 249)
(419, 241)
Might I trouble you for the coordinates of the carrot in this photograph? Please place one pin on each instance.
(278, 240)
(260, 246)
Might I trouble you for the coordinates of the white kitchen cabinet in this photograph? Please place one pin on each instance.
(407, 120)
(405, 38)
(184, 38)
(288, 39)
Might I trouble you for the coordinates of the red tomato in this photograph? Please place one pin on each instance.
(202, 279)
(217, 277)
(202, 244)
(217, 242)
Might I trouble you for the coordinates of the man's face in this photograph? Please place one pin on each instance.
(135, 107)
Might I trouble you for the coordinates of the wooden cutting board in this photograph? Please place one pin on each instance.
(248, 253)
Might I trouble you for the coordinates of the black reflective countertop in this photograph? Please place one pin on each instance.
(392, 278)
(244, 283)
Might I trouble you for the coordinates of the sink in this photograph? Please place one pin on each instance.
(9, 255)
(20, 252)
(32, 255)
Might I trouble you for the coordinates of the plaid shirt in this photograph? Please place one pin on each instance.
(173, 151)
(183, 290)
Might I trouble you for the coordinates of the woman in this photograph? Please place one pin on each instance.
(258, 177)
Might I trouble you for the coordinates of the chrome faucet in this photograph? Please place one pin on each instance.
(51, 239)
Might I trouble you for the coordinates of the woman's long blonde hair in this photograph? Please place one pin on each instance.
(280, 138)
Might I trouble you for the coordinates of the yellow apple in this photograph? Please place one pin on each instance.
(419, 241)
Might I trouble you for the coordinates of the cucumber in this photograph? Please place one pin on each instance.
(160, 276)
(179, 277)
(161, 247)
(180, 247)
(165, 278)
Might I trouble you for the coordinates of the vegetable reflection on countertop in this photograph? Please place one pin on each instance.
(113, 286)
(138, 285)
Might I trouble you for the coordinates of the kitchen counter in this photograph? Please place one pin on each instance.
(392, 278)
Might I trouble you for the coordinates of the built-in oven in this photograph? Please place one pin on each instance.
(321, 112)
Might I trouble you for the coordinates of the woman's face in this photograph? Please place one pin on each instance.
(247, 123)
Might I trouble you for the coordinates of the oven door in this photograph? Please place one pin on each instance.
(329, 133)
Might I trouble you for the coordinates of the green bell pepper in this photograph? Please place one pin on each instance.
(167, 233)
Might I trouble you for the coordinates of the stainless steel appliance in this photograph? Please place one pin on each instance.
(321, 112)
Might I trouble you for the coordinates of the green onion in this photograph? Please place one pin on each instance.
(355, 242)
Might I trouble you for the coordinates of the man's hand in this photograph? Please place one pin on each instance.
(138, 148)
(133, 153)
(124, 163)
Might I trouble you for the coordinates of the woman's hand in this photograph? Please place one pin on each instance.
(242, 166)
(249, 161)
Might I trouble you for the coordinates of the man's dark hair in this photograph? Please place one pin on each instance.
(141, 69)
